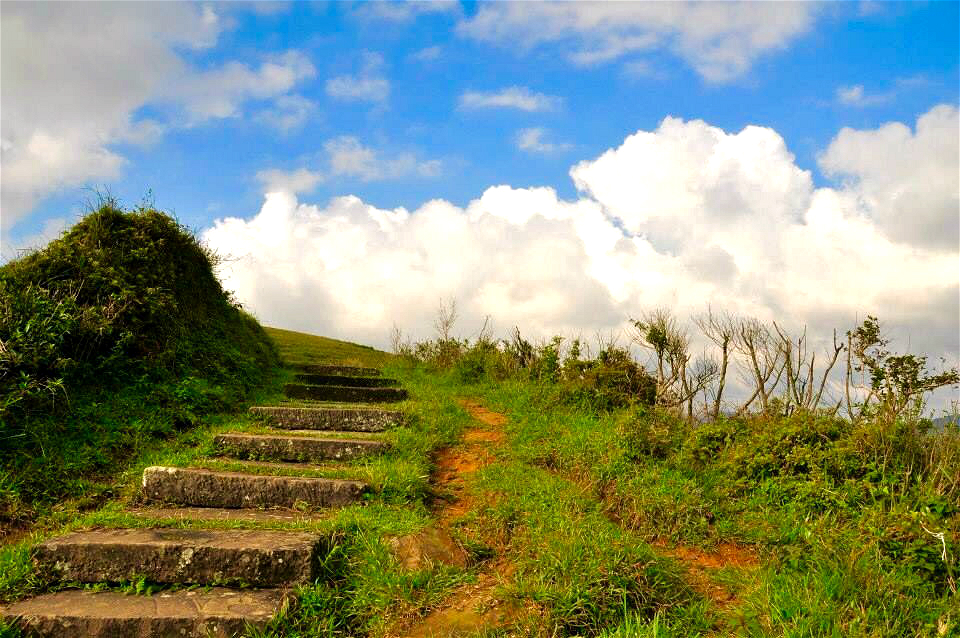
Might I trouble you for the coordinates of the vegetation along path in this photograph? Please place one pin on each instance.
(270, 560)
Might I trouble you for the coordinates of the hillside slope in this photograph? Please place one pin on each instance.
(111, 337)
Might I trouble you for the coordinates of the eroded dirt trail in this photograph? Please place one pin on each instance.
(474, 607)
(701, 564)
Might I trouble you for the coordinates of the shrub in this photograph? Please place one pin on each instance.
(124, 309)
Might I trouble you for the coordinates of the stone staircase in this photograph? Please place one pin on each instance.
(247, 573)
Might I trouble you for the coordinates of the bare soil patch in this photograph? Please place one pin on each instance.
(700, 563)
(473, 607)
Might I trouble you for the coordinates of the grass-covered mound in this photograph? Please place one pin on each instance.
(112, 336)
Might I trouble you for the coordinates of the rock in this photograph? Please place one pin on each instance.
(206, 557)
(217, 612)
(182, 514)
(206, 488)
(353, 382)
(295, 448)
(431, 545)
(343, 393)
(342, 419)
(347, 371)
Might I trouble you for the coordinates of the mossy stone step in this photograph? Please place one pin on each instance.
(322, 368)
(344, 393)
(343, 419)
(216, 612)
(188, 556)
(353, 382)
(295, 448)
(208, 488)
(182, 515)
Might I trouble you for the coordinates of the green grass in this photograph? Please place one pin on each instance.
(115, 337)
(364, 589)
(300, 347)
(594, 514)
(841, 544)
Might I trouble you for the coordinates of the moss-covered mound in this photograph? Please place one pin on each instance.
(112, 335)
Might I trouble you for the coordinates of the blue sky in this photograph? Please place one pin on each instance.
(904, 55)
(560, 167)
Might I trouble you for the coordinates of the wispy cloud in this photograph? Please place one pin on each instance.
(720, 40)
(533, 140)
(393, 11)
(858, 95)
(369, 85)
(427, 54)
(514, 97)
(302, 180)
(289, 113)
(346, 156)
(349, 158)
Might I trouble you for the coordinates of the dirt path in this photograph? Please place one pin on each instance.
(474, 607)
(700, 564)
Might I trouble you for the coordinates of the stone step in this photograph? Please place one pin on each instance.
(159, 515)
(208, 488)
(344, 419)
(315, 368)
(344, 393)
(206, 557)
(216, 612)
(294, 448)
(353, 382)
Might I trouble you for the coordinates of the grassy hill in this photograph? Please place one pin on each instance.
(300, 346)
(114, 336)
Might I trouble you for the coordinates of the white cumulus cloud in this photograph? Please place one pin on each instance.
(905, 180)
(682, 216)
(75, 74)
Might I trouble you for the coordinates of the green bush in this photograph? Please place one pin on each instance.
(116, 330)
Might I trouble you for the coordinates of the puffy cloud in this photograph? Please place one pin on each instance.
(74, 76)
(533, 140)
(513, 97)
(719, 39)
(369, 85)
(682, 216)
(906, 181)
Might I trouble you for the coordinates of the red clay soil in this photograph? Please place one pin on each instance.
(699, 563)
(474, 607)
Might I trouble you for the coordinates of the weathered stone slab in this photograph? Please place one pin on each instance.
(343, 419)
(353, 381)
(295, 448)
(186, 514)
(315, 368)
(217, 612)
(344, 393)
(206, 488)
(429, 546)
(208, 557)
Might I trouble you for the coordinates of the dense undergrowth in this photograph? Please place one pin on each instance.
(112, 337)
